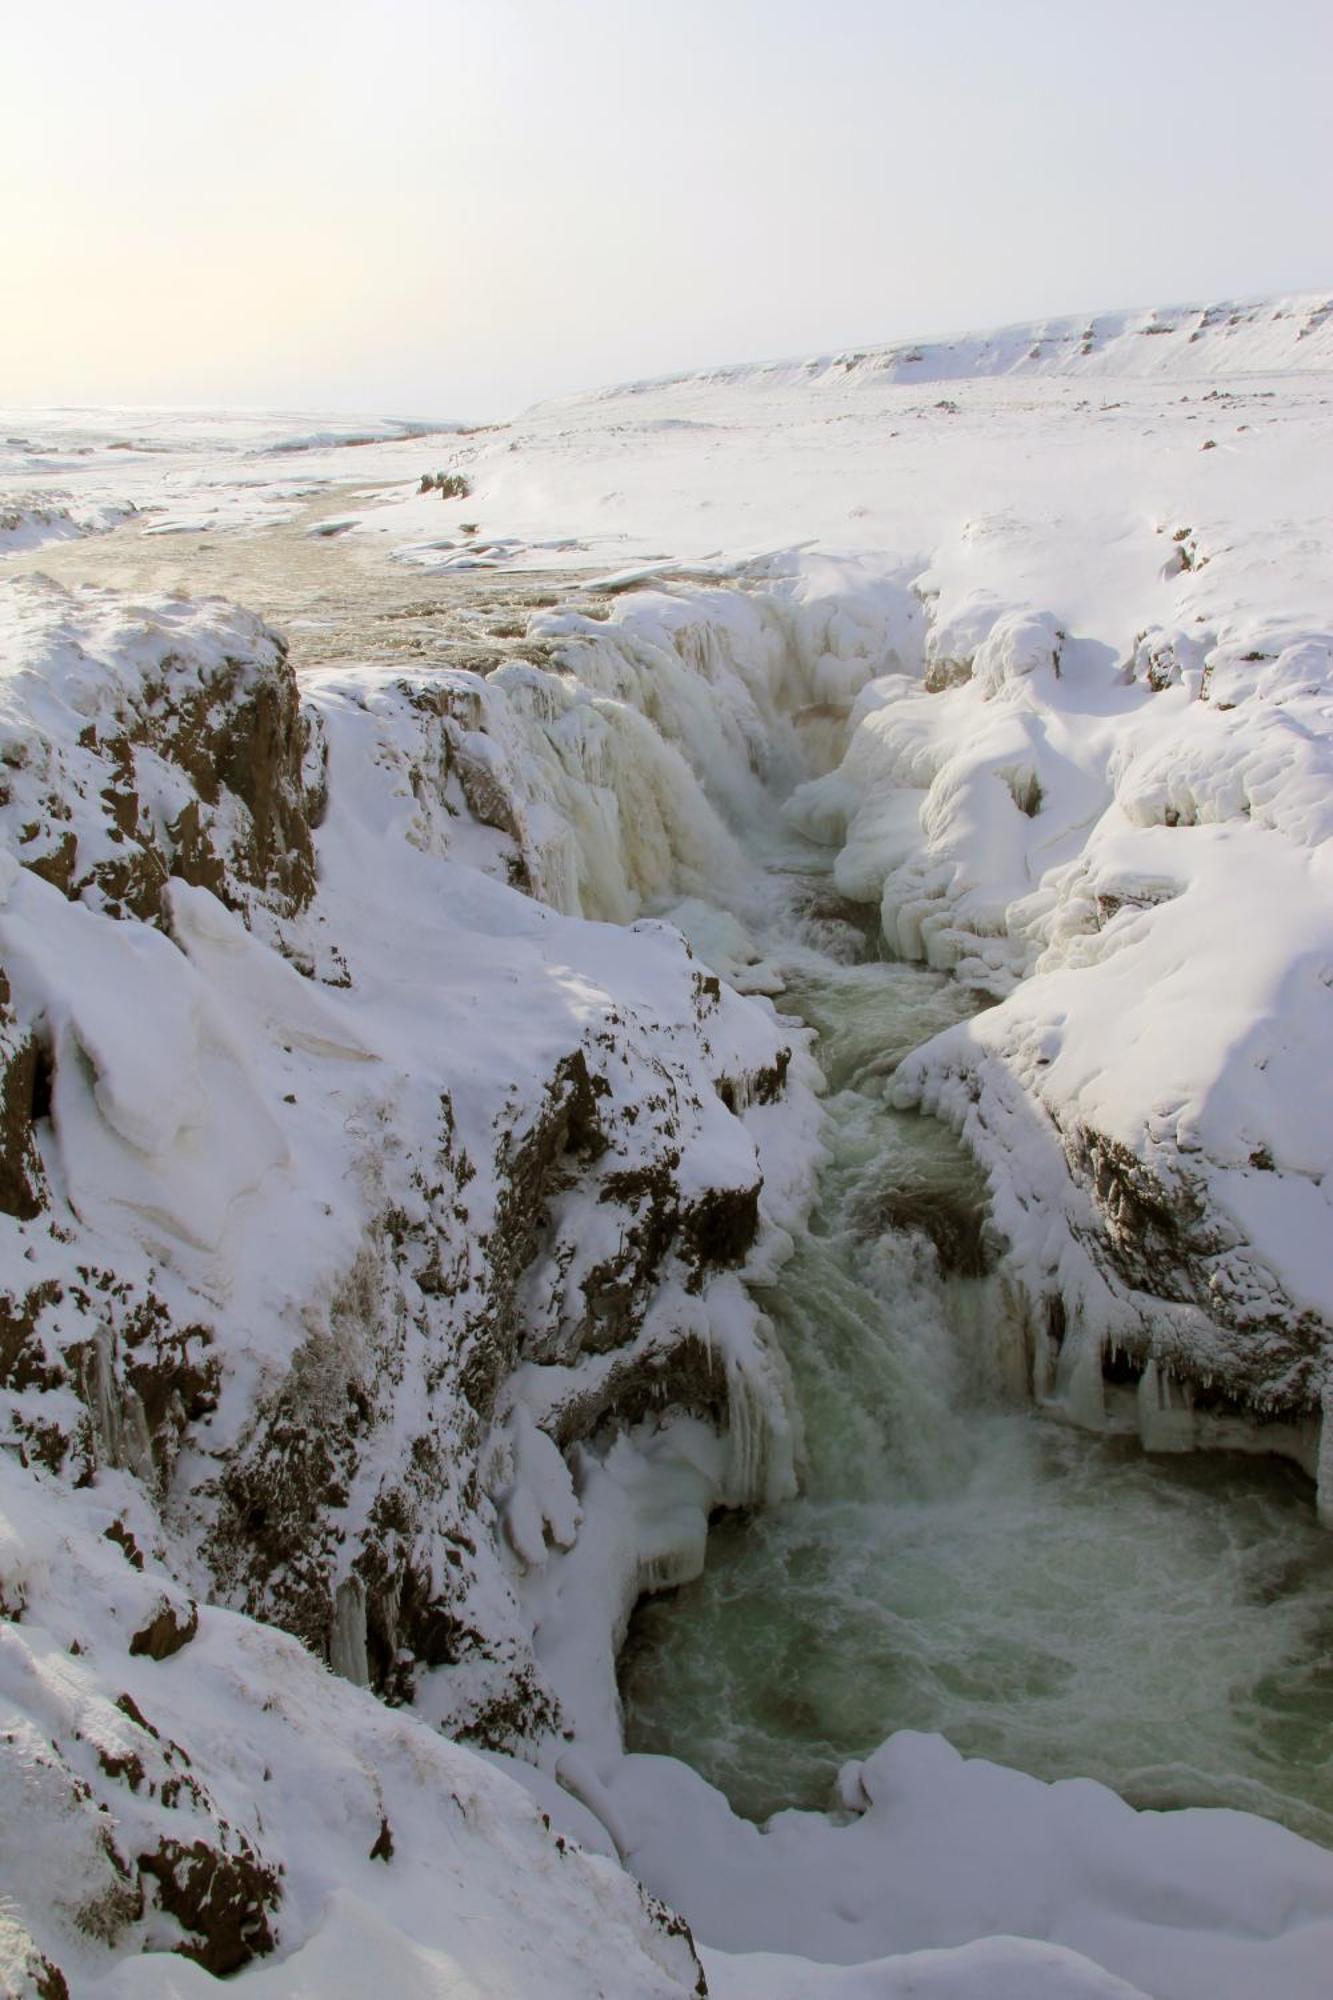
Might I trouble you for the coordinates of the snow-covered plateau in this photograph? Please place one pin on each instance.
(747, 953)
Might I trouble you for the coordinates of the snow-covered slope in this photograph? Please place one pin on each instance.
(635, 466)
(1250, 337)
(178, 1779)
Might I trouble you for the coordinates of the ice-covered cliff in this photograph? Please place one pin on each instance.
(1129, 854)
(344, 1185)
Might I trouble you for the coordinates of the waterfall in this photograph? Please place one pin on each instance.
(956, 1562)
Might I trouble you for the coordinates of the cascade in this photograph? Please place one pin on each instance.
(955, 1561)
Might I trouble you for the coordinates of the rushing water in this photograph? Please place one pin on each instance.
(956, 1563)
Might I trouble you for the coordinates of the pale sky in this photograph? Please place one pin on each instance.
(454, 207)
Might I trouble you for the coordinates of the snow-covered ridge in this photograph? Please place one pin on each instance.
(83, 433)
(1250, 337)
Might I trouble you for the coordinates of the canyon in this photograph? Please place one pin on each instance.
(666, 1321)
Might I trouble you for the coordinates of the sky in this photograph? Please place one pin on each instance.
(431, 208)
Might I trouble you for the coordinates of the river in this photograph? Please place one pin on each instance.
(956, 1561)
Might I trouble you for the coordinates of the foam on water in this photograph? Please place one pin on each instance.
(1045, 1598)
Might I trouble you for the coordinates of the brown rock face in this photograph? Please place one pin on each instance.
(24, 1097)
(1203, 1311)
(210, 770)
(166, 1631)
(221, 1900)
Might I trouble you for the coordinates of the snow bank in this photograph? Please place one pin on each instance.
(260, 1802)
(932, 1851)
(30, 523)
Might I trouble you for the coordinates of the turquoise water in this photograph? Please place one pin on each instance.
(1048, 1599)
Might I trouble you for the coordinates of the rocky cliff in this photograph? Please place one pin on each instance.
(345, 1187)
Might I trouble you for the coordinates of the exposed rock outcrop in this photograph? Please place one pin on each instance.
(157, 743)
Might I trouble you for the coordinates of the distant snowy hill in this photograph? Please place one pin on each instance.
(1253, 337)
